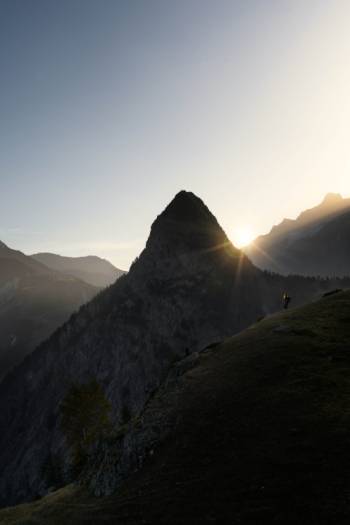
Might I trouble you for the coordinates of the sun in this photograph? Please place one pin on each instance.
(242, 237)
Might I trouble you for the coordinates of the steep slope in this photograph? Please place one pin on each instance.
(189, 288)
(34, 301)
(316, 243)
(253, 431)
(92, 270)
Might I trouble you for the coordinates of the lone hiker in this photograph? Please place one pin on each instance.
(286, 300)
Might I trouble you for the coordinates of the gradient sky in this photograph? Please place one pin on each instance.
(110, 107)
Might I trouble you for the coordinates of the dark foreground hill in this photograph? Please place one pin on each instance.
(188, 289)
(92, 270)
(254, 431)
(34, 301)
(316, 243)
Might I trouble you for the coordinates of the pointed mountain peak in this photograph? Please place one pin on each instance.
(3, 246)
(187, 223)
(187, 207)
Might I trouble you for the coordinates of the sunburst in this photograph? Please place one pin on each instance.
(242, 237)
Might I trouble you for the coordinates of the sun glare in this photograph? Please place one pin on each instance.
(242, 237)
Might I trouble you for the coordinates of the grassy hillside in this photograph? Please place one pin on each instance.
(260, 433)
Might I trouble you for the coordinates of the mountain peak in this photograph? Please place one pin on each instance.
(186, 206)
(331, 198)
(3, 245)
(187, 222)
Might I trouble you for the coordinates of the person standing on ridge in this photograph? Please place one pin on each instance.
(286, 300)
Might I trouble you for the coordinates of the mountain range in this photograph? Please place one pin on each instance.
(38, 294)
(316, 243)
(92, 270)
(189, 289)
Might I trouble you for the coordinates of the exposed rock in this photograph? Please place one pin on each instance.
(282, 329)
(114, 459)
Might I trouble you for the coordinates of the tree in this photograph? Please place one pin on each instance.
(84, 419)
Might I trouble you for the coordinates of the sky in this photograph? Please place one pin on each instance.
(108, 108)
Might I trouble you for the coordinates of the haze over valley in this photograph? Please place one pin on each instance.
(36, 298)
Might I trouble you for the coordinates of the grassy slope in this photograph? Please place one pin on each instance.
(262, 435)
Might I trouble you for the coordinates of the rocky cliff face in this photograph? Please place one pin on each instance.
(189, 288)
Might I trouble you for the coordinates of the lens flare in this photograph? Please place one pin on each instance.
(242, 237)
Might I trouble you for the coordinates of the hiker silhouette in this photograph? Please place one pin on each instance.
(286, 300)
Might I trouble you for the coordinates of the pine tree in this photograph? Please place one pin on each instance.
(84, 419)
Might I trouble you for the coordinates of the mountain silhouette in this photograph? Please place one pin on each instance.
(34, 301)
(91, 269)
(189, 288)
(316, 243)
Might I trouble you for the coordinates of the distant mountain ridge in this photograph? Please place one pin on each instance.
(91, 269)
(34, 301)
(28, 266)
(189, 288)
(316, 243)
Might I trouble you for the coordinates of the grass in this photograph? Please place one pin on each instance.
(261, 434)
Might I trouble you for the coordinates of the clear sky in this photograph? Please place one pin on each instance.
(110, 107)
